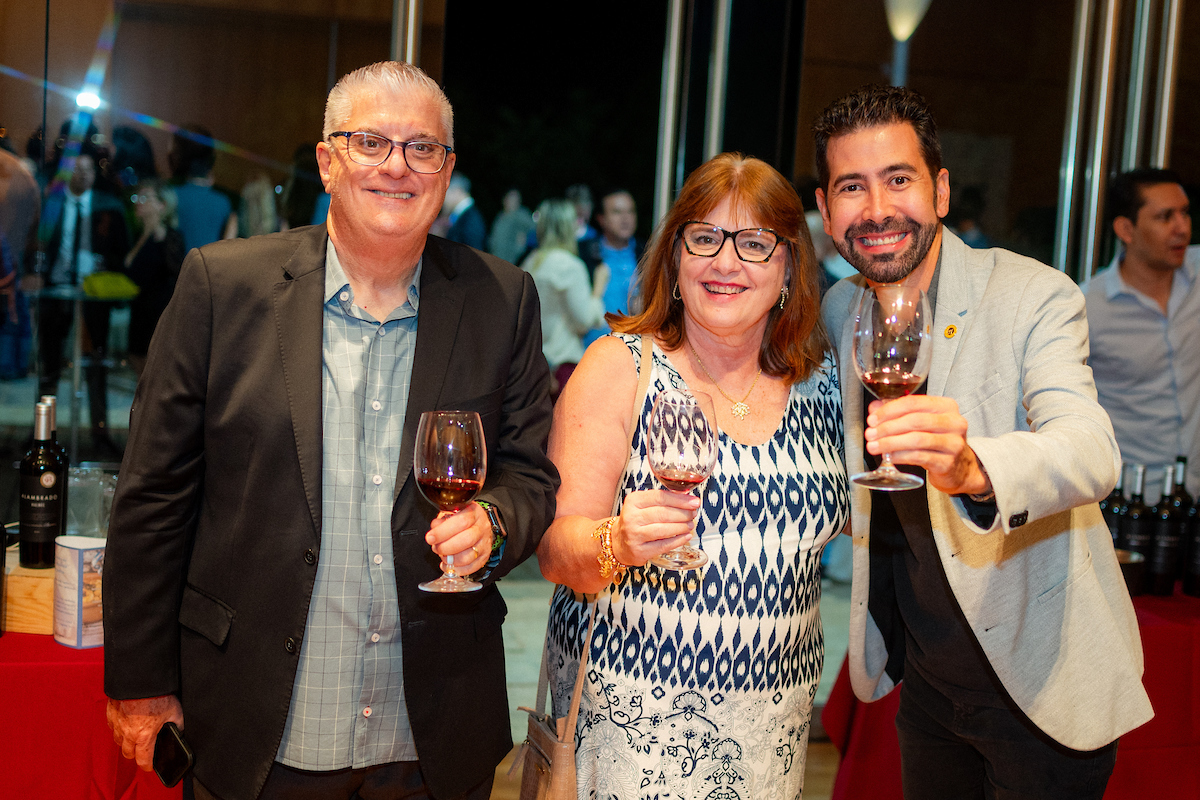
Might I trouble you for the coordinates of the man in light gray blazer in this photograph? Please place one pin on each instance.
(993, 591)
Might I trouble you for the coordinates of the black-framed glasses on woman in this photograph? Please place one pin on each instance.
(371, 150)
(751, 244)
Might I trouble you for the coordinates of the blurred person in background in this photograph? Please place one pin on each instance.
(511, 228)
(19, 208)
(204, 211)
(581, 196)
(618, 250)
(466, 225)
(84, 231)
(152, 263)
(302, 188)
(731, 306)
(1143, 315)
(258, 210)
(571, 304)
(133, 159)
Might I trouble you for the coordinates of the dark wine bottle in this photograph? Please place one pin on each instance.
(41, 508)
(1112, 505)
(1162, 564)
(1182, 501)
(1191, 533)
(52, 401)
(1135, 530)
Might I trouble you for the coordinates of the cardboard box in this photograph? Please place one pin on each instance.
(28, 597)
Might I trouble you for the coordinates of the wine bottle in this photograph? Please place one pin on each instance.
(1112, 505)
(52, 401)
(1182, 501)
(1163, 561)
(1191, 533)
(41, 510)
(1134, 532)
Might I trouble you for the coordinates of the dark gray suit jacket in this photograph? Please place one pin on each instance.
(216, 525)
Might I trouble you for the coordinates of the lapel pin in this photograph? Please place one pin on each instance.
(950, 331)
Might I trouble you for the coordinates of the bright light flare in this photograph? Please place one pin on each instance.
(88, 100)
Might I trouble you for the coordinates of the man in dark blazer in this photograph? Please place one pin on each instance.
(246, 561)
(84, 231)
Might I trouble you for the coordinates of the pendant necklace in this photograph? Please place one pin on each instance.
(739, 409)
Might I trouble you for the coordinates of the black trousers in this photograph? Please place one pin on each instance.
(400, 780)
(54, 324)
(958, 751)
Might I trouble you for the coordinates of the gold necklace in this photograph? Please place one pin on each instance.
(739, 409)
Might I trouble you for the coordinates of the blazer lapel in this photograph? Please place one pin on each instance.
(438, 317)
(298, 300)
(952, 315)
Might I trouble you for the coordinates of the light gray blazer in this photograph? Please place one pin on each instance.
(1041, 589)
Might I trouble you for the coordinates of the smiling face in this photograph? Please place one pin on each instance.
(1160, 237)
(882, 207)
(374, 206)
(724, 295)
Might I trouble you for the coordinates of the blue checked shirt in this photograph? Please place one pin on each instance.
(348, 706)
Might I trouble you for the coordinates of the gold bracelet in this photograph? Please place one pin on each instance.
(609, 565)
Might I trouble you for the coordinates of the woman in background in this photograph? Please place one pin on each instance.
(571, 305)
(153, 264)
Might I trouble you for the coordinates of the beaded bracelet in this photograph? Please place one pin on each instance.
(609, 565)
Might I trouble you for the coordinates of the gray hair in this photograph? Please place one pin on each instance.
(393, 77)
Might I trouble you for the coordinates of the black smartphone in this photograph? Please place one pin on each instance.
(172, 756)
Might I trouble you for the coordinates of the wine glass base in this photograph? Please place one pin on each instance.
(888, 480)
(449, 585)
(681, 559)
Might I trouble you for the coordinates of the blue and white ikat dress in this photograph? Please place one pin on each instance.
(700, 684)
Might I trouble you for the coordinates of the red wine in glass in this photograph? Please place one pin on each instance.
(450, 465)
(892, 351)
(681, 445)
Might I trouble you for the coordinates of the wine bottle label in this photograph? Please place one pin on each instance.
(40, 508)
(1164, 552)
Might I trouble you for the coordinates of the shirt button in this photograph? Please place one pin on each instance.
(378, 559)
(367, 711)
(378, 479)
(375, 404)
(344, 296)
(382, 331)
(374, 637)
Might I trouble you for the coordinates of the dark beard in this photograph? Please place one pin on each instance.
(892, 267)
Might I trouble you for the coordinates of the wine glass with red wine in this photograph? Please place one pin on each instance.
(450, 463)
(892, 351)
(681, 444)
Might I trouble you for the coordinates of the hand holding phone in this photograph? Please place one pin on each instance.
(172, 756)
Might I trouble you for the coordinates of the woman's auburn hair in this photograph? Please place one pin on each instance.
(795, 342)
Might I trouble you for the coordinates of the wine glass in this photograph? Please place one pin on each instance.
(450, 463)
(892, 351)
(681, 443)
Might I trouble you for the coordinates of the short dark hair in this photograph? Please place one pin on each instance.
(871, 106)
(1125, 197)
(606, 193)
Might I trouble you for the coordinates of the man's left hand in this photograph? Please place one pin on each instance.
(927, 431)
(466, 535)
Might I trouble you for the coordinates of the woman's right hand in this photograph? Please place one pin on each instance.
(652, 522)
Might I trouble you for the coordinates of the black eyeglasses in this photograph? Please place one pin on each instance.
(754, 245)
(371, 150)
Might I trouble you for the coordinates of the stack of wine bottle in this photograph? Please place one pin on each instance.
(1167, 534)
(42, 508)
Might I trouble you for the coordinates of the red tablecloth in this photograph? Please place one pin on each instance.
(55, 742)
(1161, 759)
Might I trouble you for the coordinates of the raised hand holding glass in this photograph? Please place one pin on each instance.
(450, 464)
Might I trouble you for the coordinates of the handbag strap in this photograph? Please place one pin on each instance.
(644, 369)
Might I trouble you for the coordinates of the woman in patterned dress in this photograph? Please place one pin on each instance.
(700, 684)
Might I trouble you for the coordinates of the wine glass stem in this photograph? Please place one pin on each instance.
(450, 573)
